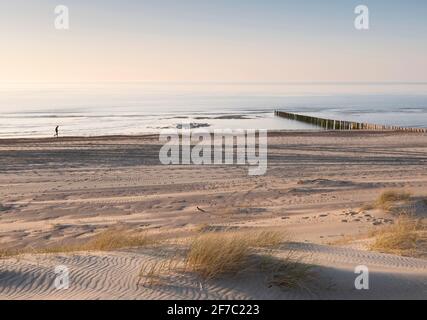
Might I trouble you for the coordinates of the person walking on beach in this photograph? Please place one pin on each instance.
(57, 131)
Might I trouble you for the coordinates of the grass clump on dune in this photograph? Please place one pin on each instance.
(388, 198)
(289, 272)
(108, 240)
(213, 254)
(104, 241)
(407, 237)
(216, 253)
(5, 253)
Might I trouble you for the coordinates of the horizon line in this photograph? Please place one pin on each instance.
(225, 82)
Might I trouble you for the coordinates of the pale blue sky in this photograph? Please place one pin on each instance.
(213, 40)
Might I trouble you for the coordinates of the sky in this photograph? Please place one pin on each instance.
(213, 41)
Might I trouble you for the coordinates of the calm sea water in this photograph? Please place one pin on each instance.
(122, 108)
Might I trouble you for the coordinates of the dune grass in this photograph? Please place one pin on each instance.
(407, 237)
(215, 255)
(289, 272)
(104, 241)
(5, 253)
(390, 197)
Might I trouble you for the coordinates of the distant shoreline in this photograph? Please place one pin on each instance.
(320, 132)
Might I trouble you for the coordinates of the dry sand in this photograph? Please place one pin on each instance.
(59, 191)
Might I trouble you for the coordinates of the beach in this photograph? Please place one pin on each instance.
(99, 109)
(317, 186)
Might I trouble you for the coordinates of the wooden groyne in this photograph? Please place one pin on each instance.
(330, 124)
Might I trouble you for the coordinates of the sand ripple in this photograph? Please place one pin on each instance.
(114, 275)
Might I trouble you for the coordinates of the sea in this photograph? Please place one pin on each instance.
(93, 109)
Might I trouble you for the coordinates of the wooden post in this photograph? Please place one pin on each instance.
(343, 125)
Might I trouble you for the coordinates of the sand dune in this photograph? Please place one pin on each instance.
(115, 276)
(67, 190)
